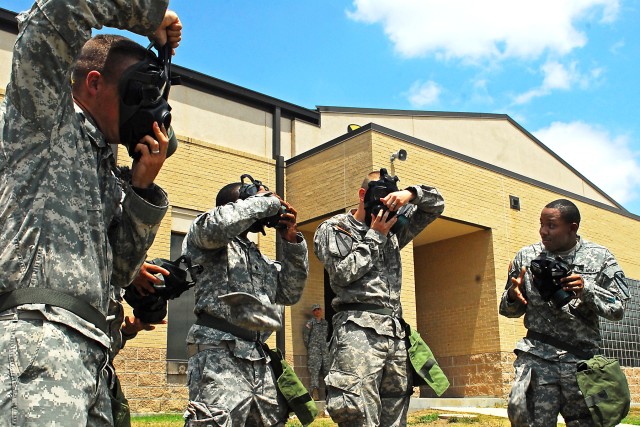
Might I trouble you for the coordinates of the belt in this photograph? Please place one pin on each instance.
(547, 339)
(225, 326)
(370, 308)
(55, 298)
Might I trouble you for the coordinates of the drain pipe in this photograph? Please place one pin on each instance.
(276, 155)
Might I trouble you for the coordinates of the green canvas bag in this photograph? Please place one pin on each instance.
(292, 389)
(119, 406)
(424, 364)
(605, 390)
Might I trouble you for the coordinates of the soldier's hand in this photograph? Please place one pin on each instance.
(146, 278)
(169, 31)
(382, 223)
(573, 283)
(394, 201)
(153, 153)
(133, 325)
(288, 220)
(515, 290)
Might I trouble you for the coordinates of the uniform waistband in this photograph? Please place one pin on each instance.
(197, 348)
(371, 308)
(23, 315)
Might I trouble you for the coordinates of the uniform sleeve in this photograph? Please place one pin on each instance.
(51, 36)
(306, 332)
(429, 205)
(346, 267)
(606, 294)
(216, 228)
(134, 234)
(515, 308)
(293, 275)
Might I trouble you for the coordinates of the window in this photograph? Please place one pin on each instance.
(180, 317)
(180, 311)
(620, 339)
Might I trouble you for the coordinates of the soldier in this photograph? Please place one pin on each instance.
(67, 232)
(315, 334)
(561, 316)
(238, 297)
(369, 382)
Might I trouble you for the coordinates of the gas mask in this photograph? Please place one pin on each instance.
(251, 189)
(144, 92)
(377, 190)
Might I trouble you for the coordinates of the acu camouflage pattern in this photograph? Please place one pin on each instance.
(64, 224)
(234, 264)
(315, 334)
(370, 272)
(51, 375)
(541, 365)
(225, 390)
(543, 389)
(369, 381)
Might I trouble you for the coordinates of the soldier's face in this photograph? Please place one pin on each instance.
(555, 232)
(317, 313)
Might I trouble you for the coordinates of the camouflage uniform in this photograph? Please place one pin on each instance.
(545, 376)
(315, 335)
(369, 381)
(64, 224)
(230, 381)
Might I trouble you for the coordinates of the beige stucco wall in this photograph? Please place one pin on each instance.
(226, 123)
(494, 141)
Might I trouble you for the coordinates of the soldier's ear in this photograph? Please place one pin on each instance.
(92, 82)
(361, 193)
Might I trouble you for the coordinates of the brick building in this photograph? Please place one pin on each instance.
(495, 178)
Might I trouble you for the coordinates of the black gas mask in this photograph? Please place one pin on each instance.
(152, 308)
(144, 93)
(547, 272)
(377, 190)
(251, 189)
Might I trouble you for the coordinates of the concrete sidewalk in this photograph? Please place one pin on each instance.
(485, 406)
(496, 412)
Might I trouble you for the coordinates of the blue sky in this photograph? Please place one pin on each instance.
(565, 70)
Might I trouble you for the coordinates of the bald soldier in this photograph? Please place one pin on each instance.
(72, 227)
(369, 379)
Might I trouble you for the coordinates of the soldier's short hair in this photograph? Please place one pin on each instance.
(106, 53)
(371, 176)
(228, 194)
(568, 210)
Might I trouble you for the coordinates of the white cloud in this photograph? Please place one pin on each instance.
(559, 77)
(423, 94)
(607, 161)
(494, 29)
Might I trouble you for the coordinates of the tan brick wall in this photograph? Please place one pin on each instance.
(142, 373)
(633, 378)
(458, 281)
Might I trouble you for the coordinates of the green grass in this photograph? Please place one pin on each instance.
(633, 417)
(159, 420)
(422, 418)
